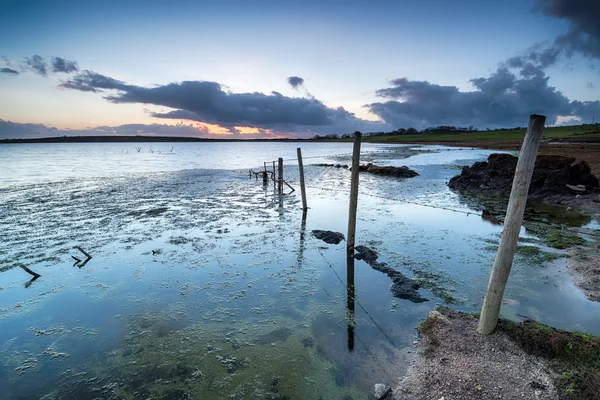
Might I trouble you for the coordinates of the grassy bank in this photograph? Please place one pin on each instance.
(575, 133)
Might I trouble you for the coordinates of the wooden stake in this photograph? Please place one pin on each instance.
(302, 188)
(354, 190)
(512, 225)
(280, 179)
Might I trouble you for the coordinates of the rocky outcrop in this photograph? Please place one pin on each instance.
(402, 287)
(397, 172)
(552, 175)
(328, 236)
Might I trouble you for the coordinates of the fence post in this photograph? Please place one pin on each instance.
(274, 180)
(354, 191)
(302, 188)
(280, 181)
(512, 225)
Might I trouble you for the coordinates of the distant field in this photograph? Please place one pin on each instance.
(567, 133)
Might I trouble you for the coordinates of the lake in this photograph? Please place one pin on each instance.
(205, 284)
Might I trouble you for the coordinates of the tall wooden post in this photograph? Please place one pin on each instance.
(354, 190)
(302, 188)
(280, 181)
(512, 226)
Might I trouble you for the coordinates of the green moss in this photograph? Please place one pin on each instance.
(562, 240)
(575, 357)
(527, 251)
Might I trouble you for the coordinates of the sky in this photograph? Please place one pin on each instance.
(270, 69)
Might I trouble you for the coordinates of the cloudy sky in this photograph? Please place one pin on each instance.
(293, 68)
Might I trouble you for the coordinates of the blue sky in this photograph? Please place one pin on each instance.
(221, 68)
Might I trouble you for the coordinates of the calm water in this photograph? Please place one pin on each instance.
(203, 284)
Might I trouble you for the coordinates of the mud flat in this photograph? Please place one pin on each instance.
(524, 360)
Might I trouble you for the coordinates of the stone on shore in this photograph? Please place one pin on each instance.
(397, 172)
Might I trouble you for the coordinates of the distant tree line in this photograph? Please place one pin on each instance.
(414, 131)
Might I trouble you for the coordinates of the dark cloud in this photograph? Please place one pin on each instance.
(61, 65)
(37, 65)
(583, 16)
(90, 79)
(295, 81)
(582, 36)
(208, 102)
(78, 86)
(9, 71)
(500, 100)
(10, 130)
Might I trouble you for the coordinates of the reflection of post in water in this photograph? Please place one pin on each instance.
(302, 231)
(350, 297)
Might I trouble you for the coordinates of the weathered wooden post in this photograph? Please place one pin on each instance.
(280, 180)
(274, 180)
(354, 191)
(512, 225)
(302, 188)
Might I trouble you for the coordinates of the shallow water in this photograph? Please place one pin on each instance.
(204, 284)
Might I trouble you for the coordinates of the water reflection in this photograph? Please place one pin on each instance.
(350, 297)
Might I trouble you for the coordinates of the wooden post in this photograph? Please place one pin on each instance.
(302, 188)
(274, 180)
(512, 225)
(280, 180)
(354, 190)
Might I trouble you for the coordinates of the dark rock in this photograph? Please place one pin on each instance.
(329, 236)
(551, 176)
(398, 172)
(402, 287)
(345, 166)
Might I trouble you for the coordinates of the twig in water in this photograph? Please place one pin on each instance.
(83, 251)
(78, 262)
(35, 274)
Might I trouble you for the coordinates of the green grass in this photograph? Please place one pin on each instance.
(575, 357)
(579, 132)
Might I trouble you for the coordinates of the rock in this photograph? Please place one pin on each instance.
(597, 199)
(398, 172)
(402, 287)
(551, 176)
(329, 236)
(383, 392)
